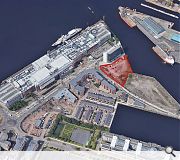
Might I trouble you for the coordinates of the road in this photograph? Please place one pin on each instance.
(63, 145)
(12, 119)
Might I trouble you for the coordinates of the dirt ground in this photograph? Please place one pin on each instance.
(118, 70)
(152, 91)
(28, 125)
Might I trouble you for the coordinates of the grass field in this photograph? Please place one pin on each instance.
(68, 129)
(64, 127)
(93, 142)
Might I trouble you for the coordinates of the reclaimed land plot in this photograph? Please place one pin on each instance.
(152, 91)
(118, 70)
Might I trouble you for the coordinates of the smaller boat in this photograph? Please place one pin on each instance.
(90, 8)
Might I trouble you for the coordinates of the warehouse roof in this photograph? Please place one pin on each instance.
(41, 62)
(60, 62)
(153, 26)
(40, 75)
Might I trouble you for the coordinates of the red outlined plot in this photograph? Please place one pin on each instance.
(118, 70)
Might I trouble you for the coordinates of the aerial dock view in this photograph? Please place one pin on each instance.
(160, 32)
(70, 81)
(86, 93)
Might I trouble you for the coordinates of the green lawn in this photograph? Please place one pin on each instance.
(68, 129)
(93, 142)
(18, 105)
(67, 125)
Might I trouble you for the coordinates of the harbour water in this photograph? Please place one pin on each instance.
(145, 126)
(28, 28)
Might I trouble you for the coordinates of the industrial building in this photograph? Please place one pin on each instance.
(9, 94)
(66, 94)
(153, 26)
(58, 62)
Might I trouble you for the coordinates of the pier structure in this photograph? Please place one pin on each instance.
(160, 32)
(167, 4)
(158, 10)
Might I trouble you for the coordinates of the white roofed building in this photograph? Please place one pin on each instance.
(58, 62)
(42, 78)
(9, 94)
(41, 62)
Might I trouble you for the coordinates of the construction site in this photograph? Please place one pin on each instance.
(38, 123)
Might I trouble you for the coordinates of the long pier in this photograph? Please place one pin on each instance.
(155, 9)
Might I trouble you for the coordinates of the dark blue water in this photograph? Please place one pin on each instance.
(28, 28)
(146, 126)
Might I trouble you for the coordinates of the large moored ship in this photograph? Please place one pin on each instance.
(70, 34)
